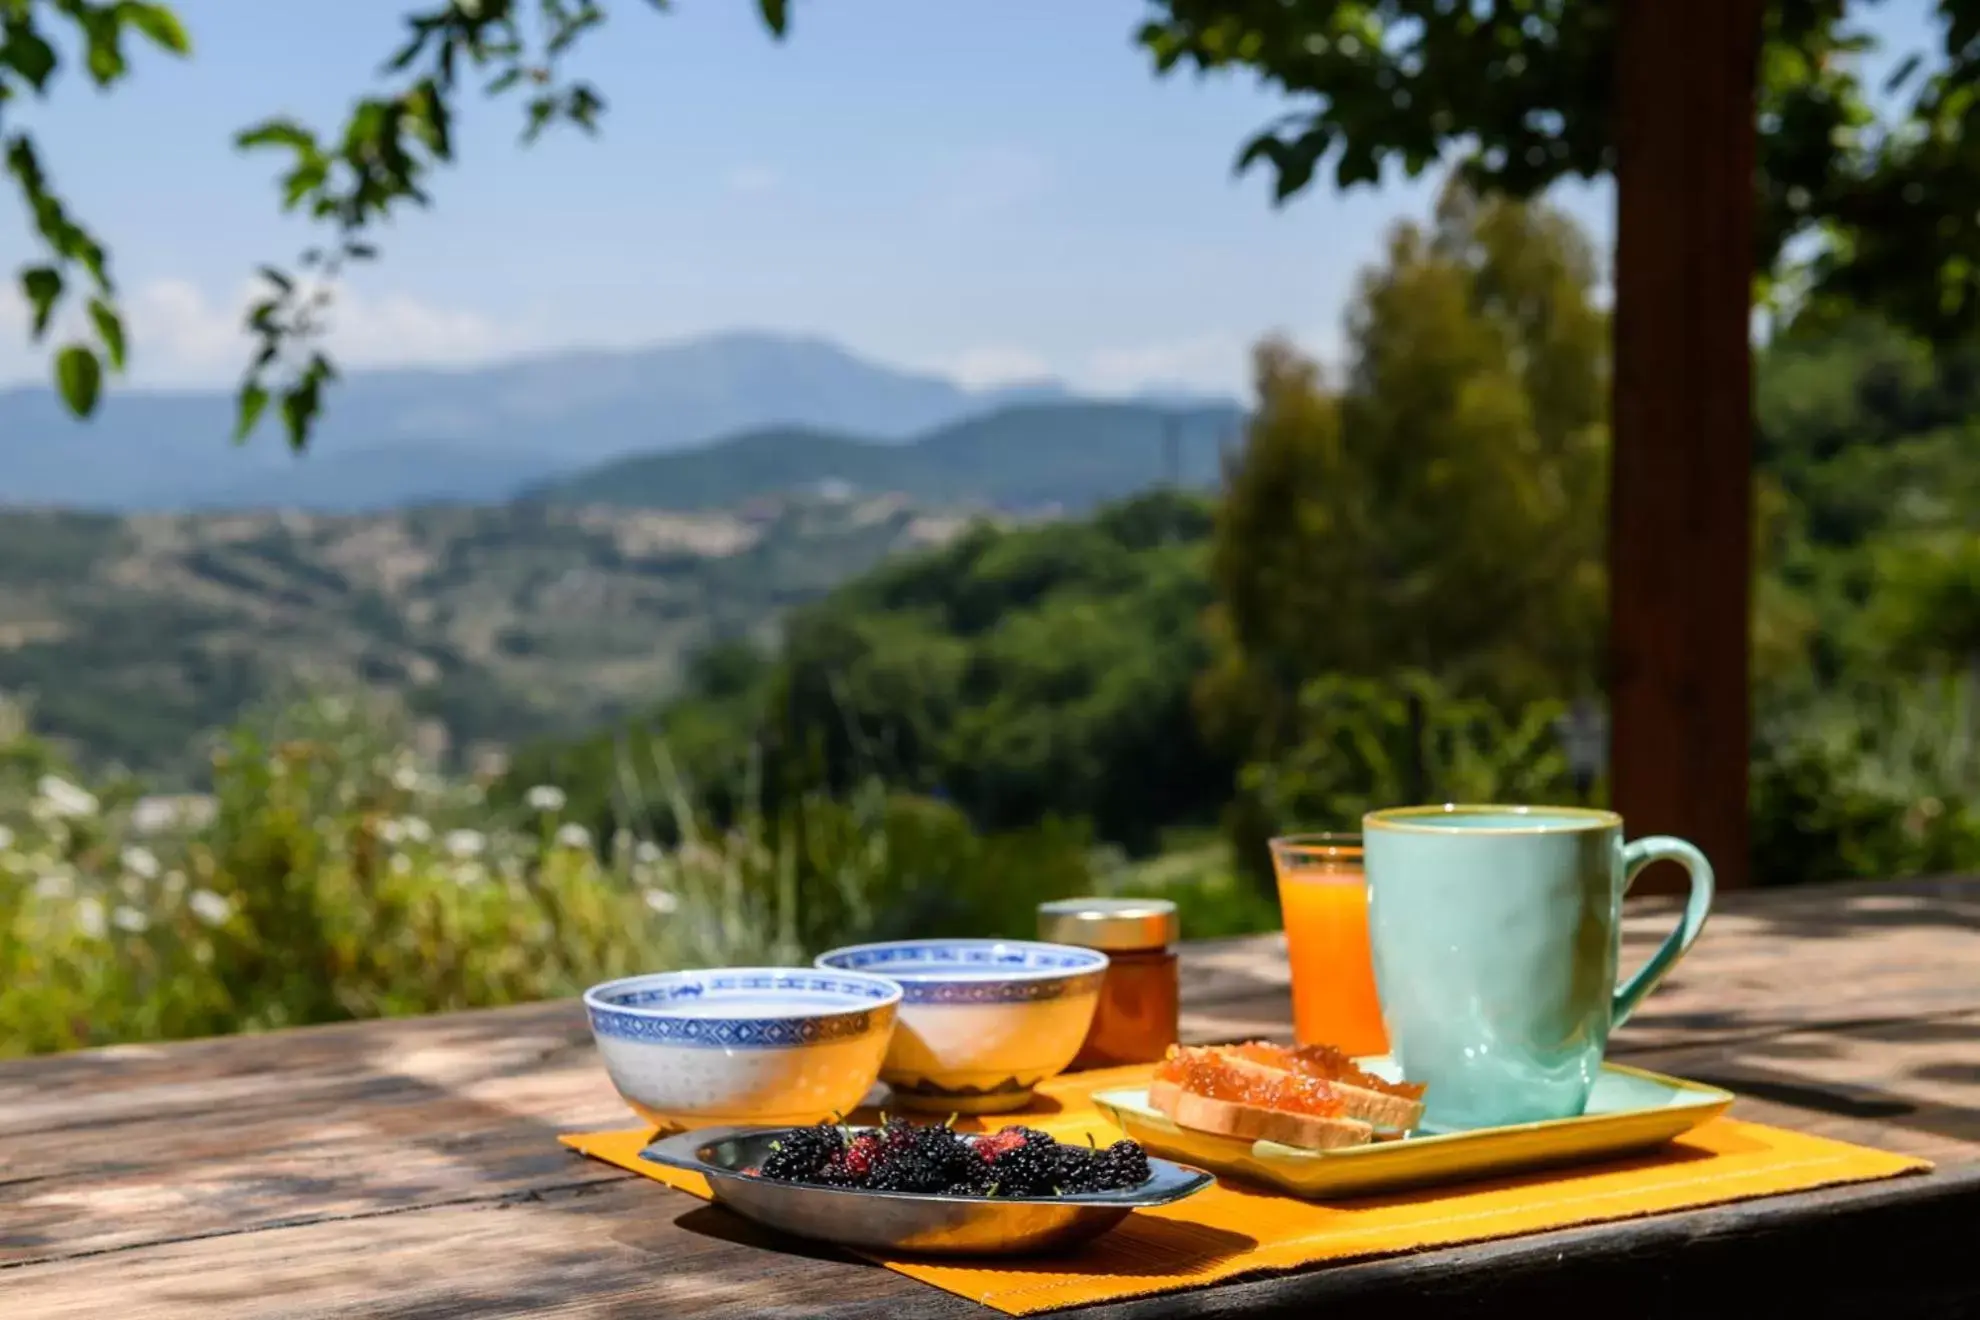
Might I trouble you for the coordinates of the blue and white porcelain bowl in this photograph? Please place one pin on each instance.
(982, 1021)
(743, 1045)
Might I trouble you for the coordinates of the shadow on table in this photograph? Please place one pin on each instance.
(1140, 1245)
(1788, 1071)
(1822, 912)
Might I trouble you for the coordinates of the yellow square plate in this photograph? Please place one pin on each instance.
(1629, 1110)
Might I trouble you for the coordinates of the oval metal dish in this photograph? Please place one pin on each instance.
(902, 1221)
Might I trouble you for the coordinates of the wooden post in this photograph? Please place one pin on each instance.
(1680, 540)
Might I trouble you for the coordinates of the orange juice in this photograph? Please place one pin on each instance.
(1323, 898)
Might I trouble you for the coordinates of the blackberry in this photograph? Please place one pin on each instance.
(852, 1165)
(1123, 1165)
(1030, 1169)
(936, 1160)
(801, 1154)
(1078, 1170)
(924, 1159)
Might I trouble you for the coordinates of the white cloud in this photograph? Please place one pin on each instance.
(1216, 362)
(1204, 362)
(179, 335)
(992, 365)
(751, 179)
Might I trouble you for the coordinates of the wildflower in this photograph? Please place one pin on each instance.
(661, 901)
(545, 797)
(416, 830)
(153, 816)
(469, 874)
(54, 887)
(6, 837)
(211, 908)
(389, 831)
(140, 862)
(130, 920)
(646, 851)
(406, 778)
(89, 918)
(573, 835)
(464, 843)
(400, 864)
(157, 814)
(64, 799)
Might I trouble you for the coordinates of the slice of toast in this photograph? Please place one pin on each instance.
(1314, 1098)
(1229, 1118)
(1385, 1106)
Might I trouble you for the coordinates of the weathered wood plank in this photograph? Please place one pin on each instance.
(620, 1248)
(409, 1167)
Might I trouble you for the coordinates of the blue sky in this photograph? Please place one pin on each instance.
(993, 191)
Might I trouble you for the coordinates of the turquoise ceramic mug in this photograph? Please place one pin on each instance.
(1495, 933)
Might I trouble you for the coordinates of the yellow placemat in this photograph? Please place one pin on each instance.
(1231, 1229)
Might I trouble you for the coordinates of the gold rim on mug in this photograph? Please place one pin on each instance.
(1576, 818)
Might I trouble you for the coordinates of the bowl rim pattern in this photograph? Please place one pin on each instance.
(631, 1008)
(1048, 972)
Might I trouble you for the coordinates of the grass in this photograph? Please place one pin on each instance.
(333, 875)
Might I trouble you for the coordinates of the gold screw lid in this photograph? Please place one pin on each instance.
(1116, 924)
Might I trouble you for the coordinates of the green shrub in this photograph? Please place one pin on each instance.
(331, 875)
(1880, 781)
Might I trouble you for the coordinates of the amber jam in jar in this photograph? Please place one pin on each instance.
(1141, 1000)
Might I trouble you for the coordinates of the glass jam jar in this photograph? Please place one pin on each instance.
(1140, 1008)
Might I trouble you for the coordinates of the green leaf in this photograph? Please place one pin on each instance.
(303, 180)
(111, 327)
(104, 52)
(28, 55)
(299, 408)
(42, 286)
(776, 14)
(278, 279)
(79, 377)
(278, 133)
(158, 23)
(253, 400)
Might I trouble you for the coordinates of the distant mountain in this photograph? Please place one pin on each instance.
(397, 437)
(1026, 456)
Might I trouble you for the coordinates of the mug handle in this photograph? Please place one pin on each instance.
(1636, 856)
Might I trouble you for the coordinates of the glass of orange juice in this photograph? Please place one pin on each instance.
(1323, 897)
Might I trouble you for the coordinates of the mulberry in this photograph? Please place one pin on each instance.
(801, 1154)
(905, 1157)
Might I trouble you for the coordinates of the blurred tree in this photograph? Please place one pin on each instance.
(1524, 94)
(1023, 674)
(1444, 512)
(349, 181)
(1929, 602)
(1020, 674)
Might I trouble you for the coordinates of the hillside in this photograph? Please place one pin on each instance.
(470, 434)
(133, 636)
(1074, 454)
(1019, 672)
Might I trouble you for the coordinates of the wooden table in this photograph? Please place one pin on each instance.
(410, 1168)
